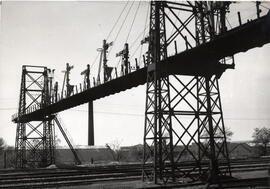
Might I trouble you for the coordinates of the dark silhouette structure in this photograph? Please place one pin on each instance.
(35, 140)
(196, 97)
(183, 105)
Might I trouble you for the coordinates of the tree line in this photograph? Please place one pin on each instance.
(261, 141)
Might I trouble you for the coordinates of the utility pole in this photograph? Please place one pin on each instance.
(106, 69)
(55, 92)
(105, 47)
(50, 89)
(103, 63)
(86, 80)
(69, 88)
(125, 66)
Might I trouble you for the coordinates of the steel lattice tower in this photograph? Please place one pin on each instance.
(183, 117)
(211, 128)
(35, 141)
(158, 144)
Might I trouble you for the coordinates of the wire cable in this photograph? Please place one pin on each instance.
(112, 113)
(265, 7)
(135, 15)
(261, 5)
(141, 33)
(118, 62)
(94, 61)
(146, 19)
(135, 51)
(139, 37)
(121, 26)
(117, 20)
(8, 108)
(228, 22)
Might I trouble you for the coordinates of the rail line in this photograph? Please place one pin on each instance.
(44, 178)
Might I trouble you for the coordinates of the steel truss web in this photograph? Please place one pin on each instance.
(34, 144)
(158, 146)
(35, 140)
(189, 130)
(212, 136)
(183, 116)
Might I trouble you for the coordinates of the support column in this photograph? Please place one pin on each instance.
(212, 135)
(158, 140)
(91, 141)
(212, 154)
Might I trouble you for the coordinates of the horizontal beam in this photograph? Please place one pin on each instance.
(199, 61)
(202, 60)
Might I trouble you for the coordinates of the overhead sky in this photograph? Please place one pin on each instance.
(54, 33)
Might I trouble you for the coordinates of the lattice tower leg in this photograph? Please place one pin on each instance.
(34, 145)
(48, 143)
(212, 135)
(184, 127)
(158, 161)
(196, 130)
(20, 146)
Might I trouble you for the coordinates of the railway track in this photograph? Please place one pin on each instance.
(43, 178)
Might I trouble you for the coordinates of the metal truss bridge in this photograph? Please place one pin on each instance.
(167, 137)
(195, 61)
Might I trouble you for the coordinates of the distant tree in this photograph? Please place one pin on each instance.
(115, 150)
(57, 141)
(10, 156)
(136, 152)
(261, 137)
(2, 144)
(228, 133)
(8, 153)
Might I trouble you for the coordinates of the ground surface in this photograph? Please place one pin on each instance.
(140, 184)
(252, 172)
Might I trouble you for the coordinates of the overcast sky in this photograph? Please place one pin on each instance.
(53, 33)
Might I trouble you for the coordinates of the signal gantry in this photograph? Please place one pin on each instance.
(183, 104)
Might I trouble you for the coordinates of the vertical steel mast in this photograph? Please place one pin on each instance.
(158, 142)
(210, 22)
(183, 116)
